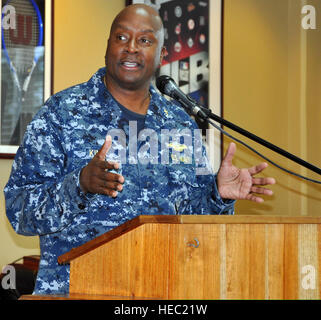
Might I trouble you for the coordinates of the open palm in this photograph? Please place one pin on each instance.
(237, 184)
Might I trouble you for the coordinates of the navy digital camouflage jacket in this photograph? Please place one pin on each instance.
(165, 169)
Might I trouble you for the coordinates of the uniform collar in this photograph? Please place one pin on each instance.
(157, 113)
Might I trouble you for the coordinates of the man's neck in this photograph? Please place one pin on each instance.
(134, 100)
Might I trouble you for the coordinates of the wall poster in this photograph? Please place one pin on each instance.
(193, 36)
(25, 67)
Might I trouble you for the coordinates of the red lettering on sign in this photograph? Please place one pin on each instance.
(23, 31)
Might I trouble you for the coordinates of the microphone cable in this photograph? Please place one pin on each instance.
(259, 154)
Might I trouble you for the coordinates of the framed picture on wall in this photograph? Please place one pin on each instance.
(26, 64)
(193, 42)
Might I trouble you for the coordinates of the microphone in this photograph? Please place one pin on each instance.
(167, 85)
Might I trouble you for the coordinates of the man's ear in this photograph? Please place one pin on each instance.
(162, 55)
(106, 51)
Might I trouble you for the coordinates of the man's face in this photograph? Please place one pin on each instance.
(134, 49)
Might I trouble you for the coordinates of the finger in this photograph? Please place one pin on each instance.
(263, 181)
(111, 185)
(108, 192)
(261, 190)
(114, 177)
(258, 168)
(229, 153)
(109, 165)
(254, 198)
(101, 154)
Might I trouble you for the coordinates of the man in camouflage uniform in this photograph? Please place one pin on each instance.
(70, 183)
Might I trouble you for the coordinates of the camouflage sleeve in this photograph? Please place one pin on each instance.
(203, 196)
(209, 195)
(209, 198)
(41, 197)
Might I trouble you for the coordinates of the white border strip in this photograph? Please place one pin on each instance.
(0, 66)
(215, 99)
(8, 149)
(48, 50)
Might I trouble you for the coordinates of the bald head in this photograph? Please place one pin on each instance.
(135, 49)
(142, 11)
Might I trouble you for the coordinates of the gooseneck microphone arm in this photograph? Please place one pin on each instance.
(167, 85)
(261, 141)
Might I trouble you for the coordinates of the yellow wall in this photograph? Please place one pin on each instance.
(81, 29)
(12, 246)
(272, 81)
(81, 33)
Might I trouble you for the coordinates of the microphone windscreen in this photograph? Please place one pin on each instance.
(164, 84)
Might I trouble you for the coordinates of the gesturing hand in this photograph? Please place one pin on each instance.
(95, 178)
(237, 184)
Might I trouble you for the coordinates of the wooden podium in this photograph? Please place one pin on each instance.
(201, 257)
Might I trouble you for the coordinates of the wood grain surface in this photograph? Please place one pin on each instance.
(203, 257)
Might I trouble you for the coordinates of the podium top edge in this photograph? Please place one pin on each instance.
(255, 219)
(249, 219)
(181, 219)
